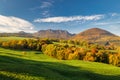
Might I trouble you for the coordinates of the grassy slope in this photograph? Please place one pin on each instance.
(32, 65)
(11, 38)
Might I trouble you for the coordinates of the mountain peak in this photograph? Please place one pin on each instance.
(93, 35)
(53, 34)
(96, 32)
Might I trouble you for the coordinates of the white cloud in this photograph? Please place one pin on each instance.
(107, 23)
(45, 5)
(14, 24)
(114, 14)
(44, 8)
(67, 19)
(101, 23)
(45, 13)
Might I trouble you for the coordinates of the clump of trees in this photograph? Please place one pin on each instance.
(93, 52)
(74, 53)
(68, 50)
(26, 44)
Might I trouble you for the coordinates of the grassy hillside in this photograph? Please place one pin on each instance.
(11, 38)
(32, 65)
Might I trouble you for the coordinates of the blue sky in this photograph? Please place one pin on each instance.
(72, 15)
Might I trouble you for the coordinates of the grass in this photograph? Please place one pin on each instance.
(11, 38)
(33, 65)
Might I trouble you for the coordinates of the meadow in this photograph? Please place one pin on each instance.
(34, 65)
(12, 38)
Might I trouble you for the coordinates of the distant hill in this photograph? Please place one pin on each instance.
(97, 35)
(19, 34)
(53, 34)
(94, 35)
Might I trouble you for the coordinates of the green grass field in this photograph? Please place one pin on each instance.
(33, 65)
(12, 38)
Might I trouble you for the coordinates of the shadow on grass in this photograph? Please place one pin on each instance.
(47, 70)
(3, 77)
(12, 54)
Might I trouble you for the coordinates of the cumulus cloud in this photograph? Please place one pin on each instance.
(14, 24)
(67, 19)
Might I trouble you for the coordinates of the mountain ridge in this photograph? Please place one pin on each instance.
(53, 34)
(94, 35)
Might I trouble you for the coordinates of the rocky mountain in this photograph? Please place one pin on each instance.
(53, 34)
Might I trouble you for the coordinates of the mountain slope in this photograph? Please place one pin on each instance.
(53, 34)
(96, 35)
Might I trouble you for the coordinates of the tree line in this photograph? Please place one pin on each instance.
(79, 53)
(26, 44)
(68, 50)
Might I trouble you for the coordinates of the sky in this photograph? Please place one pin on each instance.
(72, 15)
